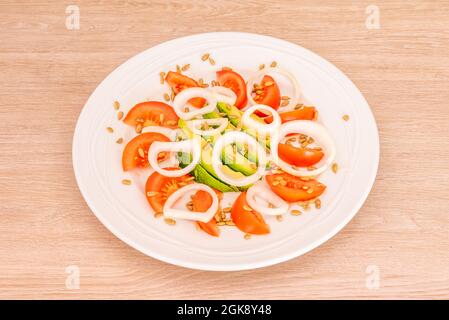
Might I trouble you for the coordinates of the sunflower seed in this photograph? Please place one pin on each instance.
(162, 77)
(171, 122)
(170, 221)
(334, 167)
(158, 214)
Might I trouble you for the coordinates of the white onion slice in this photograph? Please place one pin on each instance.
(270, 71)
(170, 212)
(194, 125)
(242, 137)
(192, 145)
(310, 128)
(169, 133)
(182, 98)
(261, 127)
(223, 94)
(261, 191)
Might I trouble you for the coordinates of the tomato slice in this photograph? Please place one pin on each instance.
(300, 157)
(178, 82)
(248, 221)
(159, 187)
(152, 113)
(304, 113)
(232, 80)
(132, 157)
(268, 93)
(292, 189)
(201, 203)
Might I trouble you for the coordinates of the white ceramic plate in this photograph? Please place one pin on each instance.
(124, 209)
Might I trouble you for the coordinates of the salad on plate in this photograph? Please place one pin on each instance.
(234, 137)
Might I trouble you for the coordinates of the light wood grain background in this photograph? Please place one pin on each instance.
(47, 72)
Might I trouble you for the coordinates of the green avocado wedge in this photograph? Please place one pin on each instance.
(248, 154)
(235, 117)
(206, 161)
(237, 162)
(202, 176)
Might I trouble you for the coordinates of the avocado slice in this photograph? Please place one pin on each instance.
(250, 154)
(206, 159)
(202, 176)
(231, 159)
(237, 162)
(235, 117)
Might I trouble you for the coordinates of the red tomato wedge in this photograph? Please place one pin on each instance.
(248, 221)
(292, 189)
(300, 157)
(201, 203)
(268, 93)
(158, 188)
(232, 80)
(135, 154)
(304, 113)
(152, 113)
(179, 82)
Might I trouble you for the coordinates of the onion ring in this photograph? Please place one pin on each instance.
(221, 122)
(230, 137)
(310, 128)
(293, 101)
(262, 191)
(182, 98)
(223, 94)
(192, 145)
(169, 133)
(261, 127)
(170, 212)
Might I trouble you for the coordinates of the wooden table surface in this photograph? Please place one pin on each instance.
(48, 71)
